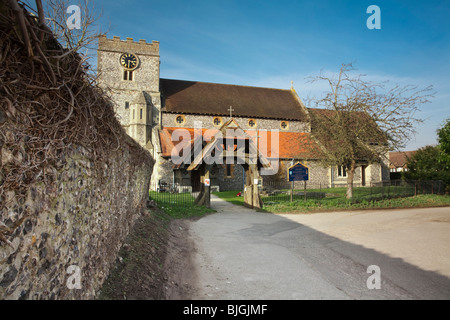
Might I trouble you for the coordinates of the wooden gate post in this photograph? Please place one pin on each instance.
(251, 192)
(207, 202)
(292, 190)
(304, 190)
(204, 197)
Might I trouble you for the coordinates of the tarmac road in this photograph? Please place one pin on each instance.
(243, 254)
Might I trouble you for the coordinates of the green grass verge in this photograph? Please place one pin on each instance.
(179, 205)
(298, 206)
(338, 202)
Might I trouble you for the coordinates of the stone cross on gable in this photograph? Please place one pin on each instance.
(231, 111)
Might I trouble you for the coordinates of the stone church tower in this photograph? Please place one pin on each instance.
(131, 71)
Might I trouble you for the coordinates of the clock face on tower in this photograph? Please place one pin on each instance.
(129, 61)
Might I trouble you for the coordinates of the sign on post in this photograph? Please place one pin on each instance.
(298, 172)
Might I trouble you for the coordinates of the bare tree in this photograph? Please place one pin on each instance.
(357, 121)
(77, 30)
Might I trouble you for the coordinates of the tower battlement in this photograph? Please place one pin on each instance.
(128, 45)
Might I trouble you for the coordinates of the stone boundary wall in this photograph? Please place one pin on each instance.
(74, 225)
(72, 182)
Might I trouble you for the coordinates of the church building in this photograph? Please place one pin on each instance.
(151, 109)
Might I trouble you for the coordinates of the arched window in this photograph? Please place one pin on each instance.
(229, 171)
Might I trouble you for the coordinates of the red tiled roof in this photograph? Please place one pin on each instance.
(398, 159)
(291, 145)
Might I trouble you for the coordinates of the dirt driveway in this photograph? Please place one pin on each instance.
(238, 253)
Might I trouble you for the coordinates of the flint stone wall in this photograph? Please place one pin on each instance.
(74, 225)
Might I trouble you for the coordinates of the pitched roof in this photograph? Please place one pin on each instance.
(356, 120)
(215, 99)
(359, 127)
(291, 145)
(219, 142)
(398, 159)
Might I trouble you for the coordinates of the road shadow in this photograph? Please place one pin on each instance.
(342, 263)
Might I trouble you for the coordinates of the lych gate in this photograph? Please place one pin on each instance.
(229, 145)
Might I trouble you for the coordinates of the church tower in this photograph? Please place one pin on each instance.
(131, 71)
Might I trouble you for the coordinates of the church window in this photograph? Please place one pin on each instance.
(229, 171)
(342, 172)
(180, 120)
(252, 123)
(284, 125)
(127, 104)
(127, 75)
(217, 121)
(141, 114)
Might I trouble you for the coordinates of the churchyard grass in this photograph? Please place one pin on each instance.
(178, 205)
(312, 205)
(336, 200)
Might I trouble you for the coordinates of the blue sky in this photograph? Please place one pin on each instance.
(269, 43)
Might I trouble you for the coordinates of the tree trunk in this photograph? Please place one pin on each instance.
(350, 175)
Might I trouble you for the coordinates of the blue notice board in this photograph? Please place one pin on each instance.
(298, 172)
